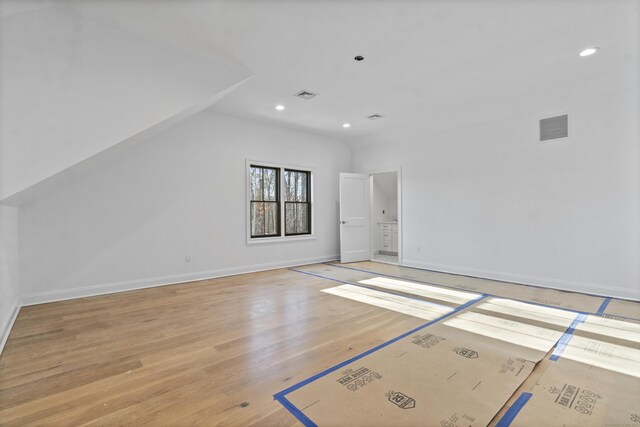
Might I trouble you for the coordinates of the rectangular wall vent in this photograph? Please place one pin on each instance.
(305, 94)
(375, 117)
(554, 127)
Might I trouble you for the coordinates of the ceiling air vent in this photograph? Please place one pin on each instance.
(305, 94)
(375, 117)
(554, 127)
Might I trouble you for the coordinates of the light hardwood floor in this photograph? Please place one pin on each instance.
(212, 352)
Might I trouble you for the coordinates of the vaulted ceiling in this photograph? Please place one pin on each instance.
(428, 65)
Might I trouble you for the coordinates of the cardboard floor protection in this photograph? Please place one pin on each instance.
(413, 307)
(458, 371)
(619, 307)
(595, 381)
(435, 294)
(552, 297)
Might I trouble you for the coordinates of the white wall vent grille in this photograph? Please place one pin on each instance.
(305, 94)
(554, 127)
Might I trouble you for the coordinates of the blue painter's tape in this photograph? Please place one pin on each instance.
(566, 337)
(281, 394)
(457, 289)
(400, 277)
(478, 277)
(317, 275)
(367, 287)
(511, 414)
(295, 411)
(604, 305)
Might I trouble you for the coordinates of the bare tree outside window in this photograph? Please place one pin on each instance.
(274, 190)
(265, 201)
(297, 212)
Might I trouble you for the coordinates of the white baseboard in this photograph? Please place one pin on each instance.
(7, 324)
(130, 285)
(543, 282)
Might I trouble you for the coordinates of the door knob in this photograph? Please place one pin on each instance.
(343, 222)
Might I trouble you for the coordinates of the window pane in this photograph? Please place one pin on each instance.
(302, 218)
(295, 186)
(270, 185)
(265, 219)
(264, 183)
(290, 218)
(287, 185)
(257, 219)
(297, 218)
(272, 225)
(302, 188)
(256, 183)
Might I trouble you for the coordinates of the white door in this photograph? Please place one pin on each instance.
(354, 217)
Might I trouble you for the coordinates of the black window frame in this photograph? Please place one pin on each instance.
(308, 203)
(281, 192)
(277, 202)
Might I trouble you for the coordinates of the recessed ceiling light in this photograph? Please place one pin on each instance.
(279, 107)
(589, 51)
(346, 125)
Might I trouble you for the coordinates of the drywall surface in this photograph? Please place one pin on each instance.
(385, 196)
(72, 88)
(8, 270)
(487, 199)
(384, 199)
(132, 220)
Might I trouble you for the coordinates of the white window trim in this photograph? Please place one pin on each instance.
(282, 238)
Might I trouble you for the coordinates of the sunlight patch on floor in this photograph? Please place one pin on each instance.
(518, 333)
(422, 309)
(535, 312)
(428, 291)
(608, 327)
(614, 357)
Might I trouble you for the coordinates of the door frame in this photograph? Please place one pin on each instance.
(372, 222)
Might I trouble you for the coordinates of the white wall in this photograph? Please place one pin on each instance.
(8, 270)
(131, 221)
(486, 199)
(385, 196)
(72, 88)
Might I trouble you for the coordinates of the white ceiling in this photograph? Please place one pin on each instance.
(428, 64)
(72, 88)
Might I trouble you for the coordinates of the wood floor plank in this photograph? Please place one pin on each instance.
(210, 353)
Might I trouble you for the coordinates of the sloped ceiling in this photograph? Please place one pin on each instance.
(81, 76)
(429, 65)
(72, 88)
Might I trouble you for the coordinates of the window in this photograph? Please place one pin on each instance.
(265, 201)
(279, 202)
(297, 209)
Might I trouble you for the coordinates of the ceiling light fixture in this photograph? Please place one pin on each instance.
(589, 51)
(346, 125)
(279, 107)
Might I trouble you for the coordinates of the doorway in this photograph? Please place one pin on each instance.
(371, 217)
(385, 235)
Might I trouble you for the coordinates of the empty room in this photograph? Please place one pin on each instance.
(320, 213)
